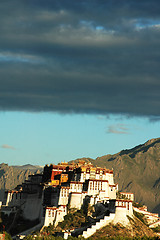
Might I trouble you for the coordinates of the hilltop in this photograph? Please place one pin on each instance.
(54, 195)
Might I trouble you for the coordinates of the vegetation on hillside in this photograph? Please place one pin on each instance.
(76, 219)
(49, 237)
(73, 220)
(110, 232)
(137, 230)
(141, 217)
(15, 223)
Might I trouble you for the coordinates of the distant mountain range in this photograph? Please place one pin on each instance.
(136, 170)
(11, 176)
(28, 166)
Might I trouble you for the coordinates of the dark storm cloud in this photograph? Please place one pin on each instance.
(80, 56)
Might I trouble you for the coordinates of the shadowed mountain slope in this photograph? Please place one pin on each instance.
(137, 170)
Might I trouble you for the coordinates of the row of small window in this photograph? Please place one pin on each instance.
(128, 196)
(95, 185)
(64, 193)
(50, 213)
(75, 186)
(123, 204)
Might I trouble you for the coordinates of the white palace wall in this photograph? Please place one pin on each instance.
(54, 215)
(123, 209)
(76, 200)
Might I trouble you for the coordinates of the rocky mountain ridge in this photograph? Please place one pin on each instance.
(11, 176)
(137, 170)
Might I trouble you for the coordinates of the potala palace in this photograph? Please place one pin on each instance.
(47, 197)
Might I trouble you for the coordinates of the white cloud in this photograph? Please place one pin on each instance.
(6, 146)
(118, 129)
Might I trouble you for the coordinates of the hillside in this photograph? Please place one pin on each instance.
(137, 229)
(137, 170)
(11, 176)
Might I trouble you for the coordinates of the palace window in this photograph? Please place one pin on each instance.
(49, 213)
(91, 185)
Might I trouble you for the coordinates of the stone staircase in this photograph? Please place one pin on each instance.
(98, 225)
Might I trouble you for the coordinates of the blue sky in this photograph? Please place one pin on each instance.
(40, 138)
(77, 78)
